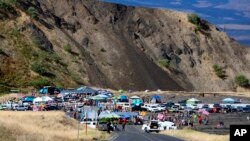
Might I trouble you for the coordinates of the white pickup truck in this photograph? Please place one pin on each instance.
(152, 126)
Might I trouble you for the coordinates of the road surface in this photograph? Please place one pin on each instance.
(134, 133)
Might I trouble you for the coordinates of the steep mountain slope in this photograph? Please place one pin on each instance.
(72, 42)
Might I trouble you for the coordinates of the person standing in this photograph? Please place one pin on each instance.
(108, 127)
(124, 124)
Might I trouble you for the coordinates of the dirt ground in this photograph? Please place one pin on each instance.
(228, 119)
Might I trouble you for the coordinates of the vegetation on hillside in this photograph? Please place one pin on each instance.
(241, 81)
(164, 63)
(218, 70)
(196, 20)
(32, 12)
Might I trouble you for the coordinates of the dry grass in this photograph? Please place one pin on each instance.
(6, 97)
(44, 126)
(191, 135)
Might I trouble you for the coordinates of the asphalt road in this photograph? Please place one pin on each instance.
(134, 133)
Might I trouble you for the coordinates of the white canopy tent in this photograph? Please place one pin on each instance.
(46, 98)
(134, 97)
(37, 100)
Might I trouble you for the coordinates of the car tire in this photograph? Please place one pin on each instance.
(157, 131)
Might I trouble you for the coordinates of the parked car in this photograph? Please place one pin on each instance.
(246, 110)
(206, 107)
(169, 104)
(138, 108)
(152, 126)
(167, 125)
(152, 108)
(174, 108)
(182, 106)
(51, 107)
(218, 107)
(20, 108)
(161, 107)
(239, 109)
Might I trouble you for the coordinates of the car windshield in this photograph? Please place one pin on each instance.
(153, 106)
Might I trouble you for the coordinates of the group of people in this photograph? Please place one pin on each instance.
(113, 126)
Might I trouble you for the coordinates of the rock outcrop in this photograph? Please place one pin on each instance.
(120, 47)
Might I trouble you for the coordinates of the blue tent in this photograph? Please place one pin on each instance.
(122, 97)
(157, 97)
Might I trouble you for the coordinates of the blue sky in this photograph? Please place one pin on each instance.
(231, 15)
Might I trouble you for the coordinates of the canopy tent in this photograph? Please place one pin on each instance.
(67, 92)
(156, 99)
(135, 97)
(204, 112)
(46, 98)
(193, 101)
(37, 100)
(85, 90)
(106, 114)
(103, 96)
(136, 101)
(28, 99)
(105, 92)
(97, 98)
(228, 100)
(122, 97)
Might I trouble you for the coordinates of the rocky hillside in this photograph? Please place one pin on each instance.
(88, 42)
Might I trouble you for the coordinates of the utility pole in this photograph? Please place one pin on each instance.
(78, 128)
(78, 120)
(86, 122)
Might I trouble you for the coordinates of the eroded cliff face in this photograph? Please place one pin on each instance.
(119, 47)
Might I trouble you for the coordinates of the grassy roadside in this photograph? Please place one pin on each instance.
(44, 126)
(191, 135)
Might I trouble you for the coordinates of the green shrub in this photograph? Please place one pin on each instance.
(103, 50)
(67, 48)
(241, 81)
(35, 41)
(32, 12)
(219, 71)
(56, 58)
(5, 6)
(40, 82)
(197, 28)
(1, 51)
(15, 32)
(164, 62)
(38, 68)
(194, 19)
